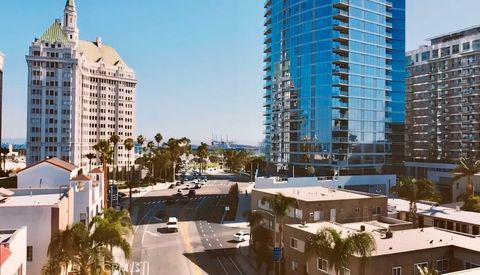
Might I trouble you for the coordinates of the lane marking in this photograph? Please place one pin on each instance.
(233, 262)
(221, 245)
(224, 269)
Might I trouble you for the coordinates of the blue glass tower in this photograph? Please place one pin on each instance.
(334, 84)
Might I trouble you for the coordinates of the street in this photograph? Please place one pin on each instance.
(201, 246)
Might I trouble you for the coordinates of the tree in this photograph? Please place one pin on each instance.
(261, 244)
(141, 141)
(202, 154)
(128, 143)
(176, 148)
(158, 139)
(253, 218)
(279, 205)
(329, 244)
(235, 159)
(103, 149)
(472, 204)
(467, 168)
(90, 156)
(76, 246)
(4, 151)
(115, 139)
(414, 190)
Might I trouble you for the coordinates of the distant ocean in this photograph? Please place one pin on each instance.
(15, 141)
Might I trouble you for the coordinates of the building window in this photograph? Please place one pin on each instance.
(476, 45)
(435, 53)
(317, 216)
(470, 265)
(294, 266)
(377, 210)
(397, 270)
(442, 265)
(293, 243)
(344, 271)
(29, 253)
(83, 218)
(466, 46)
(455, 49)
(322, 264)
(356, 210)
(418, 267)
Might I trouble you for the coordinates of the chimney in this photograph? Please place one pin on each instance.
(388, 234)
(362, 228)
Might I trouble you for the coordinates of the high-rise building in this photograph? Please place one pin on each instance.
(443, 98)
(1, 93)
(334, 84)
(79, 92)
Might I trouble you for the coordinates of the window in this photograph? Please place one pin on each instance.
(293, 242)
(344, 271)
(466, 46)
(418, 267)
(442, 265)
(476, 45)
(83, 218)
(397, 270)
(294, 266)
(425, 56)
(29, 253)
(470, 265)
(435, 53)
(356, 210)
(455, 49)
(377, 210)
(317, 216)
(322, 264)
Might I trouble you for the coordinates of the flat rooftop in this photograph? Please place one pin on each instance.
(33, 197)
(402, 240)
(318, 193)
(424, 209)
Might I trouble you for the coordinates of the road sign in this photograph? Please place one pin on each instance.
(277, 254)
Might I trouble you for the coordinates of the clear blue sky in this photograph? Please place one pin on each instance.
(198, 62)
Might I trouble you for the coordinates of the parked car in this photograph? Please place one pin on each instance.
(171, 186)
(195, 181)
(241, 236)
(191, 193)
(197, 186)
(172, 224)
(184, 199)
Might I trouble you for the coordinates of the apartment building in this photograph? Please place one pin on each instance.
(443, 98)
(79, 92)
(334, 85)
(399, 252)
(13, 252)
(44, 212)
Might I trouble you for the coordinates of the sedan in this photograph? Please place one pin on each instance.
(241, 236)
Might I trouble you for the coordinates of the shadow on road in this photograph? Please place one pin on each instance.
(212, 261)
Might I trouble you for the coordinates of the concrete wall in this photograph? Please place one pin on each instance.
(17, 261)
(87, 199)
(374, 183)
(50, 176)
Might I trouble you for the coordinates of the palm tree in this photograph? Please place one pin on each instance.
(467, 168)
(329, 244)
(279, 205)
(115, 139)
(414, 190)
(90, 156)
(128, 143)
(176, 148)
(4, 151)
(202, 154)
(158, 139)
(141, 141)
(103, 149)
(253, 218)
(111, 229)
(426, 271)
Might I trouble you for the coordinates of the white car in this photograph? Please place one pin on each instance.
(172, 224)
(241, 236)
(195, 181)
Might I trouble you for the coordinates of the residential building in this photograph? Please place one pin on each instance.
(428, 215)
(44, 212)
(79, 92)
(13, 252)
(53, 173)
(317, 204)
(377, 184)
(398, 252)
(1, 93)
(334, 85)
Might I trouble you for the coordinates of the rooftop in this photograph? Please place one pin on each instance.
(318, 193)
(435, 211)
(94, 52)
(425, 238)
(54, 161)
(34, 197)
(81, 177)
(455, 34)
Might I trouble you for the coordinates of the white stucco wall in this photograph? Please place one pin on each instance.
(18, 259)
(50, 176)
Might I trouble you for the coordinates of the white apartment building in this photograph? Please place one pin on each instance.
(79, 92)
(44, 212)
(53, 173)
(13, 252)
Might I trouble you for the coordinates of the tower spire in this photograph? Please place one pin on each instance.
(70, 3)
(70, 21)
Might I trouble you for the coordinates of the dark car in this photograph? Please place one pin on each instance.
(191, 193)
(171, 186)
(177, 183)
(184, 199)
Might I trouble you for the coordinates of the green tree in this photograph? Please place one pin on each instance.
(202, 154)
(128, 143)
(235, 160)
(472, 204)
(279, 205)
(90, 156)
(261, 244)
(414, 190)
(141, 141)
(175, 149)
(329, 244)
(158, 139)
(466, 169)
(103, 149)
(253, 218)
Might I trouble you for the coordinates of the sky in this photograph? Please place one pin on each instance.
(198, 62)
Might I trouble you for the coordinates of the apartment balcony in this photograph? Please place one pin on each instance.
(267, 94)
(388, 77)
(340, 36)
(267, 67)
(388, 67)
(268, 20)
(267, 3)
(388, 119)
(388, 45)
(340, 25)
(340, 14)
(339, 81)
(339, 116)
(388, 35)
(338, 59)
(388, 87)
(388, 98)
(388, 3)
(340, 71)
(389, 25)
(267, 49)
(389, 56)
(340, 48)
(388, 130)
(339, 93)
(267, 58)
(340, 151)
(340, 128)
(388, 109)
(340, 140)
(268, 38)
(343, 4)
(389, 14)
(340, 105)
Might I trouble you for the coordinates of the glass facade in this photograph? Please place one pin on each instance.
(334, 83)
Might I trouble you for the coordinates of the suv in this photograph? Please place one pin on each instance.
(172, 224)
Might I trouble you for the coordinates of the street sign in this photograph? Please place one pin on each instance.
(277, 254)
(227, 208)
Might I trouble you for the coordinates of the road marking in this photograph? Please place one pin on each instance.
(235, 265)
(221, 245)
(218, 259)
(188, 244)
(206, 239)
(210, 244)
(218, 240)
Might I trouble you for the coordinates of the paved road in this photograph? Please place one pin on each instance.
(202, 245)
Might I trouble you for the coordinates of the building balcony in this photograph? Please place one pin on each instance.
(268, 38)
(388, 3)
(340, 25)
(340, 140)
(340, 151)
(388, 67)
(389, 25)
(340, 36)
(339, 116)
(388, 119)
(340, 128)
(340, 59)
(341, 4)
(267, 3)
(340, 71)
(267, 49)
(340, 14)
(389, 14)
(268, 20)
(339, 93)
(339, 81)
(388, 35)
(340, 105)
(388, 45)
(388, 98)
(340, 48)
(389, 56)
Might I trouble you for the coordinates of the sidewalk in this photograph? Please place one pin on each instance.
(243, 205)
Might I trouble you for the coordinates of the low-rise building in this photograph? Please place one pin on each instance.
(399, 252)
(48, 173)
(13, 252)
(44, 212)
(454, 219)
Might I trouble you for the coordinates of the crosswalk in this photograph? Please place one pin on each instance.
(196, 198)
